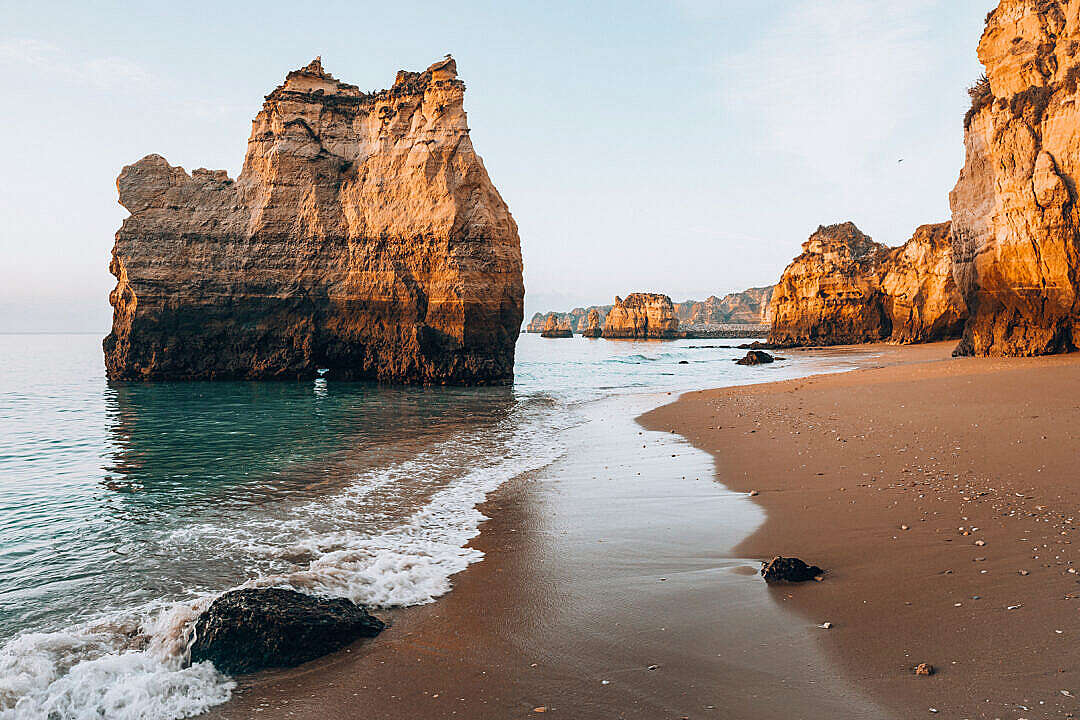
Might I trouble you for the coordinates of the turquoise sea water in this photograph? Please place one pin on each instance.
(126, 507)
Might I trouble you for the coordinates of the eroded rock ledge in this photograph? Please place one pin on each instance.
(845, 288)
(363, 236)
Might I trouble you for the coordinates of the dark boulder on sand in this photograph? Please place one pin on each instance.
(755, 357)
(782, 569)
(248, 630)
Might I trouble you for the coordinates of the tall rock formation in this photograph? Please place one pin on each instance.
(642, 316)
(362, 236)
(556, 326)
(1016, 227)
(593, 325)
(845, 288)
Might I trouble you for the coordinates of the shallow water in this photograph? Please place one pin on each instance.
(125, 507)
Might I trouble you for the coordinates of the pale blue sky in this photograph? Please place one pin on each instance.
(685, 147)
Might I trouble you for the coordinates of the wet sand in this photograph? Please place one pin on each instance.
(604, 593)
(942, 495)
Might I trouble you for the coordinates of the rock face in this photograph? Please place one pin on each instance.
(748, 306)
(363, 236)
(845, 288)
(248, 630)
(1016, 227)
(642, 316)
(557, 327)
(593, 327)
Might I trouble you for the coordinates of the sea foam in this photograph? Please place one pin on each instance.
(134, 664)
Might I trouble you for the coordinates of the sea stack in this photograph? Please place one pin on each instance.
(557, 326)
(593, 328)
(1016, 227)
(642, 316)
(363, 237)
(845, 288)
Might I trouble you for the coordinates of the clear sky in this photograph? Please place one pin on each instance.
(685, 147)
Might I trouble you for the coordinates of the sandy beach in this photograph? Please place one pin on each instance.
(941, 496)
(936, 492)
(609, 590)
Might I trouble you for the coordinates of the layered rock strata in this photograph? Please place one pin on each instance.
(845, 288)
(642, 316)
(363, 236)
(1015, 223)
(556, 326)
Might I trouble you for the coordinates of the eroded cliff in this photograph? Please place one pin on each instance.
(363, 236)
(1015, 225)
(642, 316)
(556, 326)
(748, 306)
(594, 326)
(845, 288)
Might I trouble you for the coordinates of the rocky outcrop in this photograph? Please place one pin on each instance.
(755, 357)
(845, 288)
(248, 630)
(363, 236)
(593, 325)
(642, 316)
(578, 318)
(536, 325)
(556, 326)
(1015, 224)
(748, 306)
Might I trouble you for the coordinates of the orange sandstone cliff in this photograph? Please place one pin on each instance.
(749, 306)
(556, 326)
(642, 316)
(845, 288)
(363, 236)
(593, 325)
(1015, 224)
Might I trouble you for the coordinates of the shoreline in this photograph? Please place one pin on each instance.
(610, 588)
(937, 494)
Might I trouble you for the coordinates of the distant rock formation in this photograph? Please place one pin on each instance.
(363, 236)
(845, 288)
(536, 325)
(578, 318)
(1016, 225)
(748, 306)
(593, 325)
(557, 327)
(642, 316)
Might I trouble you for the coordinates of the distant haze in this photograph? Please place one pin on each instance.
(686, 147)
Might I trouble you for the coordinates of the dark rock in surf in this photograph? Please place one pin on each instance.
(755, 357)
(248, 630)
(782, 569)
